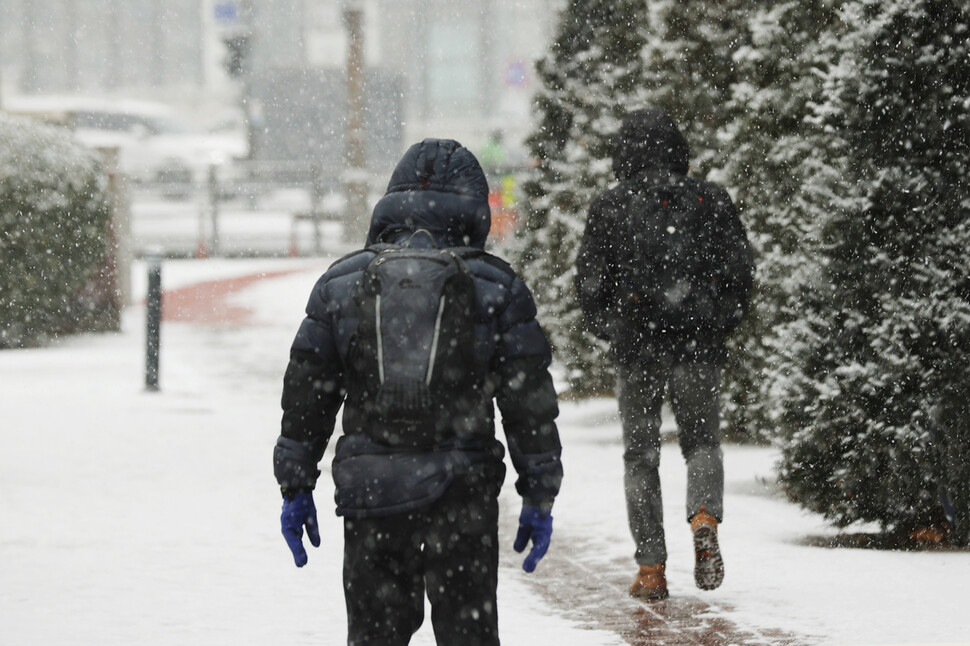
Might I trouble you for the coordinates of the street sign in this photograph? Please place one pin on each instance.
(515, 73)
(226, 13)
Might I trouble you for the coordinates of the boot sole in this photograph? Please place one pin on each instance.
(709, 565)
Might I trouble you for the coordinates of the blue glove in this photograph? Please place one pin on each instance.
(536, 525)
(297, 512)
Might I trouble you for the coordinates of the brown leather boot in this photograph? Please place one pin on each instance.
(708, 563)
(651, 583)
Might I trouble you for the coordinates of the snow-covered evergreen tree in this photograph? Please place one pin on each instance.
(691, 69)
(591, 76)
(886, 325)
(769, 149)
(694, 65)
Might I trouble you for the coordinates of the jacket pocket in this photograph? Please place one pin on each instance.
(371, 480)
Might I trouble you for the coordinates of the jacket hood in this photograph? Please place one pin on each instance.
(437, 186)
(648, 139)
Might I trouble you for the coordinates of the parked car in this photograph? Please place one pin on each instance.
(155, 142)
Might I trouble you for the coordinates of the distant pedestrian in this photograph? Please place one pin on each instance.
(493, 155)
(415, 336)
(664, 274)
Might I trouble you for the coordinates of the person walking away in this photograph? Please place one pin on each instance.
(664, 273)
(415, 336)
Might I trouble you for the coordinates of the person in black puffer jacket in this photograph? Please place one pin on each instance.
(423, 519)
(664, 274)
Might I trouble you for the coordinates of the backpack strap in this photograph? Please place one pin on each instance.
(467, 253)
(380, 246)
(462, 253)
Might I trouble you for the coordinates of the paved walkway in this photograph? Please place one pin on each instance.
(597, 597)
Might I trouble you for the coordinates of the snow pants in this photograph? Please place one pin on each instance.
(448, 549)
(693, 390)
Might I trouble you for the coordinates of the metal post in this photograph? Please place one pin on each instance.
(252, 108)
(153, 321)
(316, 205)
(34, 74)
(213, 193)
(72, 63)
(356, 217)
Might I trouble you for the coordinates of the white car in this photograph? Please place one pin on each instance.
(154, 142)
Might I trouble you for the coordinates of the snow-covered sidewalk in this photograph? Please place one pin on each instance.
(129, 517)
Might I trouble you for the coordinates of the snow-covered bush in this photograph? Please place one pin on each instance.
(54, 219)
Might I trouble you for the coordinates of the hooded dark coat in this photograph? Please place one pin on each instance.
(439, 187)
(651, 153)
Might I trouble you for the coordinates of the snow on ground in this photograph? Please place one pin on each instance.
(131, 517)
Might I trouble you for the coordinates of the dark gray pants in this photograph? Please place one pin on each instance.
(693, 390)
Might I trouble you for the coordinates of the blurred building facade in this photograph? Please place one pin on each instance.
(67, 46)
(443, 68)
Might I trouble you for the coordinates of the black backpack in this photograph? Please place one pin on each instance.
(668, 277)
(412, 359)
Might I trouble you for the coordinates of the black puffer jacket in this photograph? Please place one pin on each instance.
(438, 186)
(651, 156)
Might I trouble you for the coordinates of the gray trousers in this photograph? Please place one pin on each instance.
(693, 391)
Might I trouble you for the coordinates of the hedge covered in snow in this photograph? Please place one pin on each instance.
(54, 233)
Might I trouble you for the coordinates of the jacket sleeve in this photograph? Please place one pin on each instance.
(527, 399)
(312, 395)
(736, 276)
(595, 279)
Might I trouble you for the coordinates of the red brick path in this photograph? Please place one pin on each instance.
(208, 303)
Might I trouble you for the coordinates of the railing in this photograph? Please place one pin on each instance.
(244, 208)
(268, 209)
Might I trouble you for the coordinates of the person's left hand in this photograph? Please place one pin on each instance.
(534, 525)
(297, 512)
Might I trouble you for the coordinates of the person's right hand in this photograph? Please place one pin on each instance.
(534, 525)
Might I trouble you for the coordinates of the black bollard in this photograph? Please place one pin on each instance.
(154, 321)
